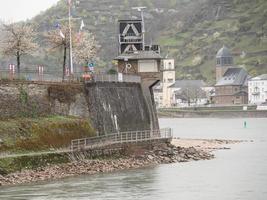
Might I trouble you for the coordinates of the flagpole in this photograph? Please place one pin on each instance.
(71, 61)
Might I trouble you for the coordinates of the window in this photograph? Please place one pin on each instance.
(170, 65)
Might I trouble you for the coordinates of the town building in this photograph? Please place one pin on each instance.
(232, 82)
(186, 93)
(257, 90)
(162, 92)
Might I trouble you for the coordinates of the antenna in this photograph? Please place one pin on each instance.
(141, 9)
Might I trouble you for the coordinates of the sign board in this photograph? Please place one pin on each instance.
(91, 66)
(130, 36)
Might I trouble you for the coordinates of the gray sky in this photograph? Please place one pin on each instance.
(17, 10)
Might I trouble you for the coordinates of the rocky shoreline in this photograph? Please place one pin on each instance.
(161, 154)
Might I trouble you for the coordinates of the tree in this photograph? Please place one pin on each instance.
(192, 94)
(60, 39)
(84, 45)
(18, 40)
(85, 48)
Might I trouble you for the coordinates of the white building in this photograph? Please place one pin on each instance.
(168, 80)
(162, 92)
(257, 90)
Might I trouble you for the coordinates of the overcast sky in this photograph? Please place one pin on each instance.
(17, 10)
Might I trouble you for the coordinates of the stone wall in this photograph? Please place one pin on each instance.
(111, 107)
(117, 107)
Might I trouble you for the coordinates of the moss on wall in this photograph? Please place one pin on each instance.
(64, 93)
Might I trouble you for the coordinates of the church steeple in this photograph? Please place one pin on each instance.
(224, 57)
(224, 61)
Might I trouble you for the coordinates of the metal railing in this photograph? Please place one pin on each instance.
(119, 138)
(115, 78)
(76, 77)
(32, 75)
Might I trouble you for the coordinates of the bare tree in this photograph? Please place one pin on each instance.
(18, 40)
(192, 94)
(85, 48)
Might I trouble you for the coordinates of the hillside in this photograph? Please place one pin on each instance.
(239, 24)
(189, 31)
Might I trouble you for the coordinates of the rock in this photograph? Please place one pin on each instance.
(170, 152)
(191, 150)
(150, 157)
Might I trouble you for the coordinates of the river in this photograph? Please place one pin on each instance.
(239, 173)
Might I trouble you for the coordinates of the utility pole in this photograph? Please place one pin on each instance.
(70, 18)
(71, 61)
(141, 9)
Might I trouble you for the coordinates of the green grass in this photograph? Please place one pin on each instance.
(38, 134)
(10, 165)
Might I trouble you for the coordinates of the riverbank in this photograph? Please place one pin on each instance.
(181, 150)
(212, 114)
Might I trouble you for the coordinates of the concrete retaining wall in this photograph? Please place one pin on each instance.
(111, 107)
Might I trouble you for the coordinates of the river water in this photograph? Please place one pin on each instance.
(239, 173)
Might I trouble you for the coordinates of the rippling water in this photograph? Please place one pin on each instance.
(239, 173)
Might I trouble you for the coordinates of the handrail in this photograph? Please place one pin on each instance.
(119, 138)
(31, 75)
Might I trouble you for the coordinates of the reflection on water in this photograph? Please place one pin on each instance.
(239, 173)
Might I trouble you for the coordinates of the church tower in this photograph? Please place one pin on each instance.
(224, 61)
(168, 78)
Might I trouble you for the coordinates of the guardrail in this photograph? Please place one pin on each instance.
(31, 75)
(115, 78)
(119, 138)
(76, 77)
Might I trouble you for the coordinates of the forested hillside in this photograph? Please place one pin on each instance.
(188, 30)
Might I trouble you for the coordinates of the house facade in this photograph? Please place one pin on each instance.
(257, 90)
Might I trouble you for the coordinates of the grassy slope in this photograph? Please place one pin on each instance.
(28, 134)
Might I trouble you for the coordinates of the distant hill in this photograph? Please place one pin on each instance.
(188, 30)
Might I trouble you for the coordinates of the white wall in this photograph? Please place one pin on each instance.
(168, 80)
(257, 91)
(147, 66)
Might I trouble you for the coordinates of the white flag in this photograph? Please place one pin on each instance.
(82, 26)
(61, 34)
